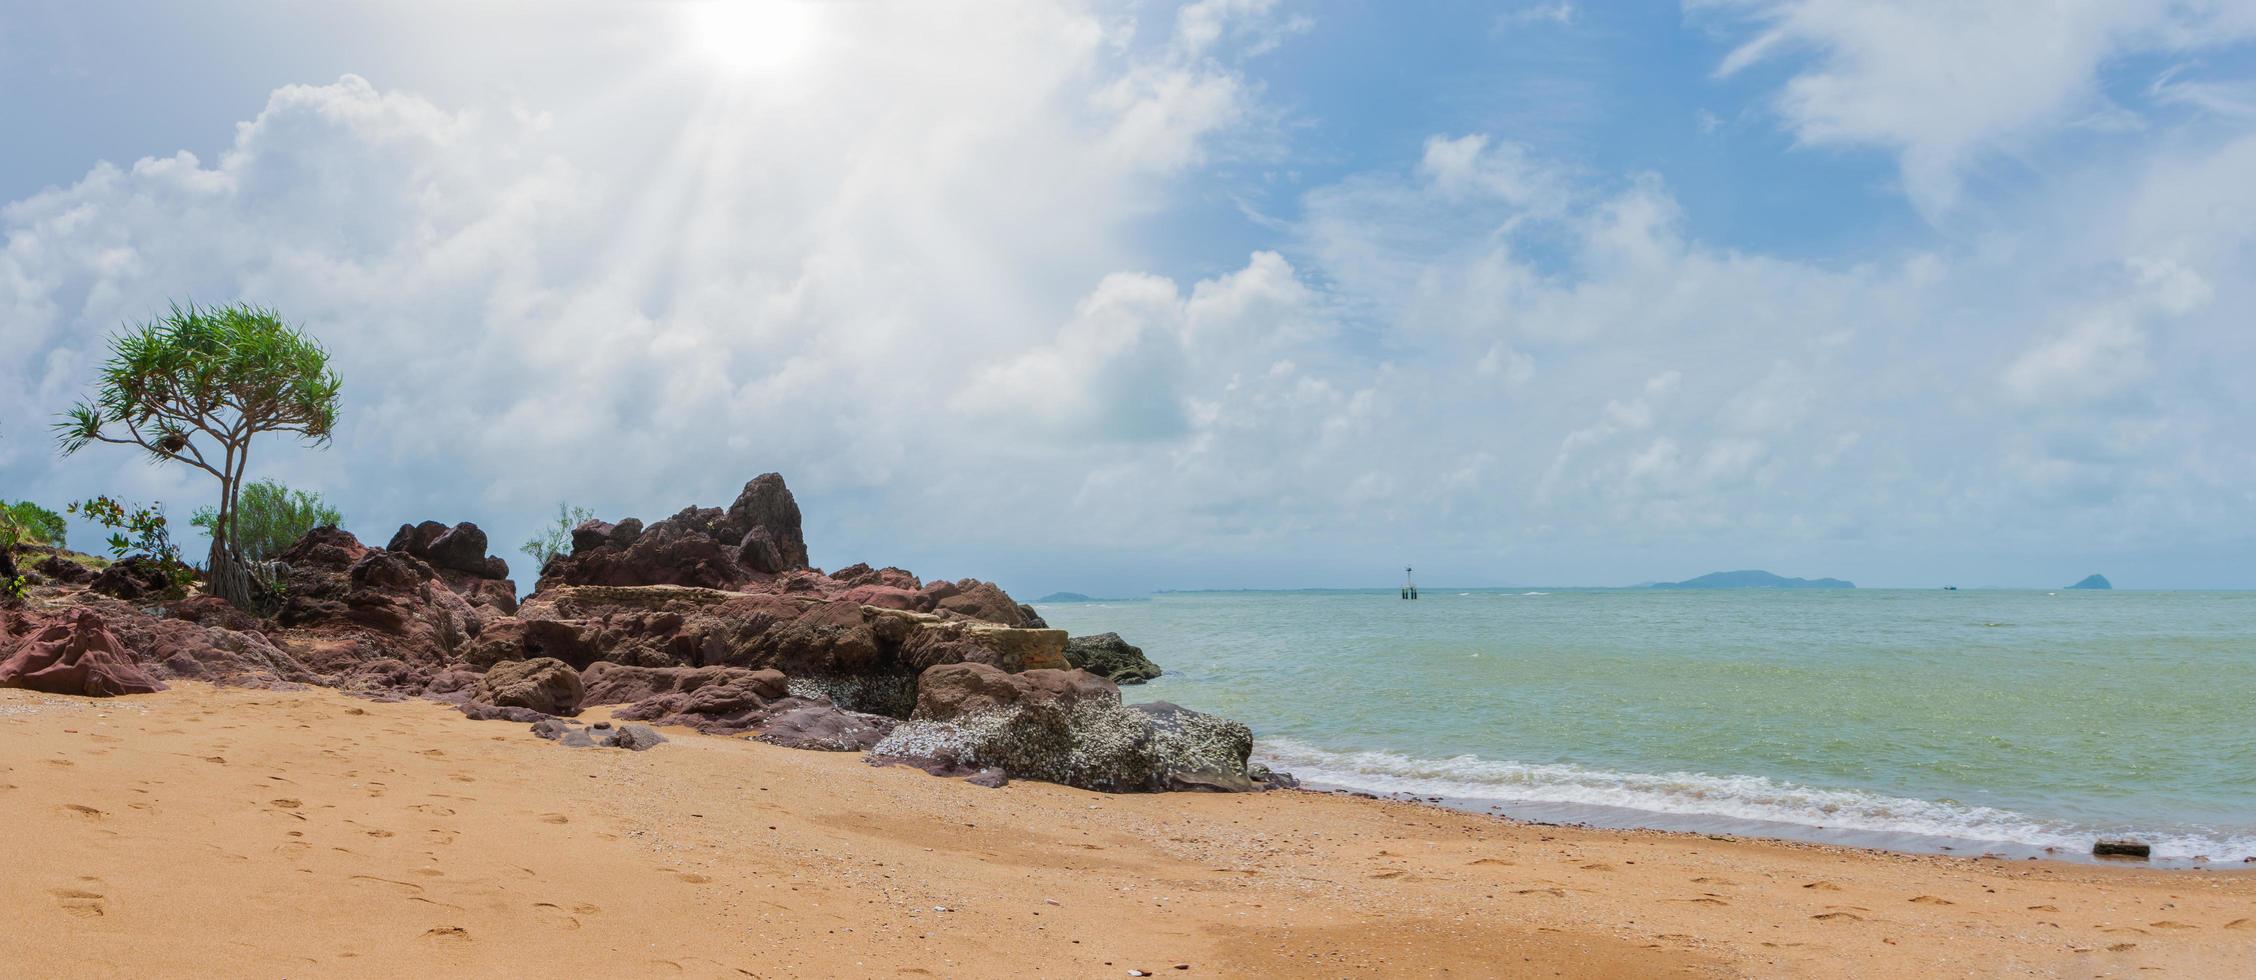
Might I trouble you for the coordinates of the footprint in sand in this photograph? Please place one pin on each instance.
(448, 935)
(1553, 892)
(79, 902)
(286, 804)
(378, 833)
(1389, 874)
(2167, 924)
(408, 888)
(1597, 866)
(1707, 900)
(1930, 900)
(1711, 880)
(556, 913)
(1838, 917)
(2241, 924)
(555, 818)
(694, 878)
(2044, 908)
(1501, 861)
(84, 811)
(2122, 947)
(1823, 886)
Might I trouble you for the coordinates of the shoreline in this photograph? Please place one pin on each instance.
(313, 833)
(1598, 817)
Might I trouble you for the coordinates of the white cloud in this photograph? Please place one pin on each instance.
(1947, 86)
(917, 281)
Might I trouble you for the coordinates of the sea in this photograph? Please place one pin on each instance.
(2013, 723)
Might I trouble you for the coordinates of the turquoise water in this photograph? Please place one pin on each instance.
(1991, 719)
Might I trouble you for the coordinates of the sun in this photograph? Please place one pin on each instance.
(753, 35)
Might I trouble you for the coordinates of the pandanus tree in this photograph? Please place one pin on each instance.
(195, 386)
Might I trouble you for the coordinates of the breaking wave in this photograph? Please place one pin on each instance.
(1730, 798)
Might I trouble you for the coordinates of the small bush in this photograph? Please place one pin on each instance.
(34, 524)
(139, 531)
(270, 517)
(556, 538)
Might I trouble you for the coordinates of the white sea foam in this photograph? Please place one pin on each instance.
(1733, 798)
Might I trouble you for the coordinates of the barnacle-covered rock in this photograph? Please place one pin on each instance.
(1065, 727)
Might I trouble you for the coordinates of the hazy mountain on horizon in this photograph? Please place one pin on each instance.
(1753, 579)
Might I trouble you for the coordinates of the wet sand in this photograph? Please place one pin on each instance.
(213, 832)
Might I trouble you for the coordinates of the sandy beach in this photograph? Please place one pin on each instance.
(249, 833)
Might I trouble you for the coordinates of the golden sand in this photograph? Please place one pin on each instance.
(204, 832)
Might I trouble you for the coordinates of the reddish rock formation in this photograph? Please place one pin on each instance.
(59, 569)
(71, 653)
(348, 604)
(547, 685)
(951, 691)
(135, 579)
(458, 555)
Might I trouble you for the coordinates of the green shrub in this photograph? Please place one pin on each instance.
(270, 517)
(34, 524)
(555, 539)
(142, 531)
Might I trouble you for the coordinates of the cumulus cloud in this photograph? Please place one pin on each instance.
(919, 281)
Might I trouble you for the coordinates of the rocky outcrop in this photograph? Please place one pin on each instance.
(711, 619)
(58, 569)
(984, 601)
(732, 701)
(893, 578)
(754, 539)
(458, 555)
(135, 579)
(346, 604)
(1107, 655)
(69, 653)
(924, 640)
(546, 685)
(1065, 727)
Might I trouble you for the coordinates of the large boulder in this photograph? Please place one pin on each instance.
(70, 653)
(984, 601)
(951, 691)
(1065, 727)
(733, 700)
(547, 685)
(1110, 657)
(765, 507)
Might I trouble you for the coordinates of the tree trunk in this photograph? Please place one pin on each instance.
(233, 579)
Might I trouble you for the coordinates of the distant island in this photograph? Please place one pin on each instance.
(1753, 579)
(1057, 597)
(2093, 582)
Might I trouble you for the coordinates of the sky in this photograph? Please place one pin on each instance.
(1119, 296)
